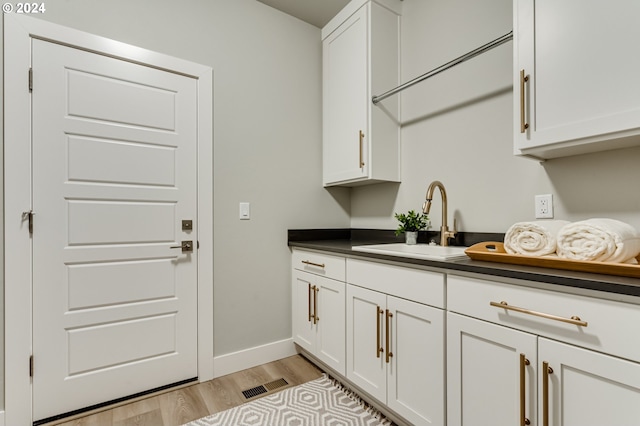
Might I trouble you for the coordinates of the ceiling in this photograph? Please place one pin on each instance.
(314, 12)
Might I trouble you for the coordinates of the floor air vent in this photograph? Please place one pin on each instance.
(276, 384)
(259, 390)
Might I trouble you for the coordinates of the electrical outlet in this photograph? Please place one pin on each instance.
(544, 206)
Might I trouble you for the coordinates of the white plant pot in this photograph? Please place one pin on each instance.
(411, 237)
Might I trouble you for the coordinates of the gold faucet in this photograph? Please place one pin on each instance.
(445, 234)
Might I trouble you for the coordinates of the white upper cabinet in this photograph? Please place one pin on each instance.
(361, 48)
(576, 85)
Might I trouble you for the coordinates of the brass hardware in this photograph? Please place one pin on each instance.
(546, 370)
(445, 233)
(575, 320)
(361, 144)
(186, 246)
(187, 225)
(319, 265)
(523, 79)
(379, 349)
(309, 295)
(29, 216)
(388, 332)
(315, 304)
(523, 391)
(31, 366)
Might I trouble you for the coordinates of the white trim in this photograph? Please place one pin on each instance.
(18, 31)
(2, 418)
(247, 358)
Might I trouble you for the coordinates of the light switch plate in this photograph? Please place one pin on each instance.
(245, 211)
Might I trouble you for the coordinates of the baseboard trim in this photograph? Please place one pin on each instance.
(248, 358)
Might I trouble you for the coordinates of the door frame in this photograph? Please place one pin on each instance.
(18, 32)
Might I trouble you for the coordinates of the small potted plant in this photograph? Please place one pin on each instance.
(410, 224)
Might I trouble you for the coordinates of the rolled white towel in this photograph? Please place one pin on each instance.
(536, 238)
(599, 240)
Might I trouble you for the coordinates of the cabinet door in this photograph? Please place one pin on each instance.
(416, 373)
(583, 83)
(483, 373)
(587, 387)
(330, 303)
(345, 100)
(365, 340)
(304, 330)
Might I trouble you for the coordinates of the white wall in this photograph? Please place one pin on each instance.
(267, 140)
(457, 128)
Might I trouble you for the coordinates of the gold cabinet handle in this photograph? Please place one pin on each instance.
(319, 265)
(361, 148)
(575, 320)
(316, 290)
(524, 421)
(523, 79)
(546, 370)
(388, 332)
(309, 294)
(379, 349)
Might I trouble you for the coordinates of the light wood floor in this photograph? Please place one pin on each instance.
(174, 408)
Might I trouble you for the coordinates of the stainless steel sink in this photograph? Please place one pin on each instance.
(417, 251)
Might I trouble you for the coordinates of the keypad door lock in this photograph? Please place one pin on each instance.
(186, 246)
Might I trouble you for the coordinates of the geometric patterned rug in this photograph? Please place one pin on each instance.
(321, 402)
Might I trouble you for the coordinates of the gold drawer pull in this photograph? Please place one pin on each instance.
(319, 265)
(361, 143)
(575, 320)
(379, 349)
(388, 332)
(523, 79)
(546, 371)
(524, 421)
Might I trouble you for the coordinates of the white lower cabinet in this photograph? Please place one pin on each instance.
(489, 382)
(395, 351)
(318, 313)
(510, 367)
(587, 388)
(515, 355)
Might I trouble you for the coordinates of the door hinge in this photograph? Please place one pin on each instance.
(30, 80)
(29, 216)
(198, 244)
(31, 366)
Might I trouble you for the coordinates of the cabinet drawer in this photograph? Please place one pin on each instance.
(413, 284)
(321, 264)
(610, 325)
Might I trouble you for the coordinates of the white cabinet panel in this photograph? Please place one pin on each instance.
(360, 58)
(483, 373)
(395, 352)
(415, 383)
(582, 90)
(589, 388)
(319, 317)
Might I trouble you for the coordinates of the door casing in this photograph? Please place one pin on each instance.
(19, 30)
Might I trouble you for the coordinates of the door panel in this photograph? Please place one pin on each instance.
(114, 173)
(483, 373)
(416, 374)
(365, 333)
(589, 388)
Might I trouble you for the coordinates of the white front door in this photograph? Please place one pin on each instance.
(114, 175)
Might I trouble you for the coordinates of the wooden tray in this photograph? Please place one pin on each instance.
(494, 252)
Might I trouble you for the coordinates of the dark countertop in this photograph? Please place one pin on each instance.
(341, 241)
